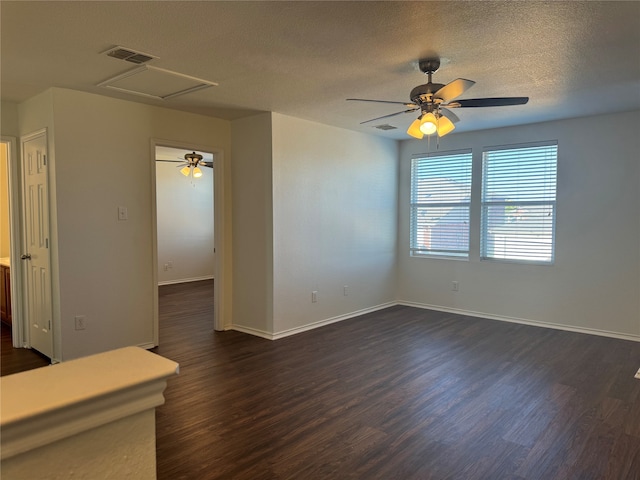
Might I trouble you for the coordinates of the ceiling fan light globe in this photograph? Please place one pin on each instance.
(197, 173)
(428, 124)
(185, 171)
(414, 129)
(445, 126)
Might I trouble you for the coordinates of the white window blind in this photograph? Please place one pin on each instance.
(440, 198)
(519, 204)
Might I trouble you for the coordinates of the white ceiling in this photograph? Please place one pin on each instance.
(305, 58)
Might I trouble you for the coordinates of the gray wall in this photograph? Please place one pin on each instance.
(101, 158)
(594, 284)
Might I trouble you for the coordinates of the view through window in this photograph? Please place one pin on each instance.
(519, 203)
(440, 200)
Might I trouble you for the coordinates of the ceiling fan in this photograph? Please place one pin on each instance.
(433, 101)
(191, 164)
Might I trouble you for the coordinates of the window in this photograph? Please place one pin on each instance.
(440, 198)
(519, 203)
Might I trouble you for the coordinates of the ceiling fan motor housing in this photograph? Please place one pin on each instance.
(423, 94)
(193, 158)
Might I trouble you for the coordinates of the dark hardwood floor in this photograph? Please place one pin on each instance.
(399, 394)
(15, 360)
(402, 393)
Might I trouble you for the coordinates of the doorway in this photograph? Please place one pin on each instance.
(10, 239)
(187, 226)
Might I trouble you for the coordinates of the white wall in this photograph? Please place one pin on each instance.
(185, 224)
(334, 222)
(9, 119)
(252, 224)
(101, 158)
(315, 208)
(595, 281)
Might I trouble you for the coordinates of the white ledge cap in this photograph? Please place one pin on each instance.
(49, 403)
(48, 388)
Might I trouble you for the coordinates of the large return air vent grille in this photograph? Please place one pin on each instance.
(129, 55)
(154, 82)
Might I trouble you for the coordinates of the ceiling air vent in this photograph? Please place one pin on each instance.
(129, 55)
(154, 82)
(386, 126)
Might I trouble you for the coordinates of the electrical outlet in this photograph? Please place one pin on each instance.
(170, 265)
(166, 267)
(345, 290)
(455, 286)
(314, 296)
(80, 322)
(123, 214)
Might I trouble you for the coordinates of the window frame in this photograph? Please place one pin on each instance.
(414, 206)
(484, 204)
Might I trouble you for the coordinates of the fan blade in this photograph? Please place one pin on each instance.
(449, 114)
(170, 161)
(205, 164)
(382, 101)
(488, 102)
(390, 115)
(454, 89)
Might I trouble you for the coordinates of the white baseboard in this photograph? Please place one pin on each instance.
(535, 323)
(469, 313)
(310, 326)
(185, 280)
(328, 321)
(251, 331)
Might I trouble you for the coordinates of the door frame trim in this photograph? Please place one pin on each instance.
(15, 237)
(218, 228)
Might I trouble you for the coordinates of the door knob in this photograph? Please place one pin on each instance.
(26, 256)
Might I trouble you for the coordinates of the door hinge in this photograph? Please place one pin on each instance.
(46, 243)
(44, 159)
(49, 324)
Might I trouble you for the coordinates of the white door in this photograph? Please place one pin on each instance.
(35, 254)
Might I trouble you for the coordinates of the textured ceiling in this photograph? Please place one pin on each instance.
(305, 58)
